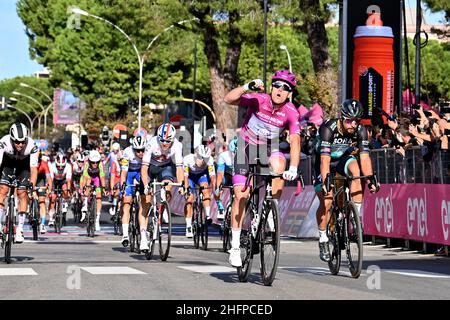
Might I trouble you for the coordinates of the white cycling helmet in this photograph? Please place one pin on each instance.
(80, 157)
(18, 132)
(166, 132)
(203, 152)
(139, 143)
(60, 160)
(94, 156)
(116, 146)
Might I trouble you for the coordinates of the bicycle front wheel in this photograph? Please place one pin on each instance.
(226, 236)
(196, 224)
(333, 232)
(34, 211)
(165, 230)
(91, 218)
(203, 229)
(354, 240)
(269, 233)
(151, 229)
(9, 232)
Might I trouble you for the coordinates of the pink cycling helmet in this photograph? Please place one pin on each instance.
(286, 76)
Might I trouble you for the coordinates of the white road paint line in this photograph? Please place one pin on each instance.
(111, 270)
(417, 273)
(209, 269)
(17, 272)
(319, 271)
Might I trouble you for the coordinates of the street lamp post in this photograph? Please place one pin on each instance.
(26, 114)
(45, 95)
(283, 47)
(38, 103)
(141, 58)
(38, 114)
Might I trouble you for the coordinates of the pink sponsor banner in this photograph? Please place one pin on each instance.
(418, 212)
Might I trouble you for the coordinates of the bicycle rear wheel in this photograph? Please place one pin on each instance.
(226, 236)
(333, 232)
(165, 230)
(269, 233)
(9, 234)
(354, 240)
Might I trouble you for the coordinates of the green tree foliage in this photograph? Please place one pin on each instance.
(9, 116)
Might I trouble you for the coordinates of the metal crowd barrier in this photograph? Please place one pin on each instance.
(392, 167)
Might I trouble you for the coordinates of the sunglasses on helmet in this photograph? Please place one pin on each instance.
(280, 84)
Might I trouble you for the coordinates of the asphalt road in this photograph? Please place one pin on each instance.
(74, 267)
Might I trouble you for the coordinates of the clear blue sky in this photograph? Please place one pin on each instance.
(15, 59)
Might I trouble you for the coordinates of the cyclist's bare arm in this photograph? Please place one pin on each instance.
(366, 164)
(325, 161)
(33, 176)
(234, 96)
(123, 177)
(180, 174)
(295, 141)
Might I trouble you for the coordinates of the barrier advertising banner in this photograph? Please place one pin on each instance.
(419, 212)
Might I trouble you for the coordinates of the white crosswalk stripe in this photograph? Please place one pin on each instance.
(17, 272)
(111, 270)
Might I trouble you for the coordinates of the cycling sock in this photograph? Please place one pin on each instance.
(236, 238)
(188, 222)
(219, 204)
(115, 202)
(358, 206)
(43, 221)
(143, 234)
(208, 211)
(2, 215)
(125, 229)
(323, 236)
(21, 221)
(51, 213)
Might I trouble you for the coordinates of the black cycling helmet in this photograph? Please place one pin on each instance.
(351, 108)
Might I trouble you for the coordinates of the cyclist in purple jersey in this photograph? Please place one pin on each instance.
(267, 116)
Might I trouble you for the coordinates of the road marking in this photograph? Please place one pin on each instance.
(318, 271)
(111, 270)
(417, 273)
(209, 269)
(17, 272)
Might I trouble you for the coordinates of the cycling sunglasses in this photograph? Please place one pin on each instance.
(165, 141)
(138, 150)
(95, 162)
(18, 142)
(352, 120)
(279, 84)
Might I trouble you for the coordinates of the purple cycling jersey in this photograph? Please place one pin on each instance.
(262, 123)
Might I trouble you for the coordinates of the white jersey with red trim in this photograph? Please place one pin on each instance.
(156, 156)
(63, 174)
(30, 151)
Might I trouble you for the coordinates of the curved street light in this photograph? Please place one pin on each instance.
(38, 103)
(38, 115)
(26, 114)
(284, 47)
(141, 58)
(22, 84)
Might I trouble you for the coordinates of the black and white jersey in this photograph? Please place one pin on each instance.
(29, 152)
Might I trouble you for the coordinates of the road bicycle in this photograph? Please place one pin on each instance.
(199, 221)
(34, 215)
(9, 230)
(260, 232)
(59, 215)
(92, 209)
(344, 227)
(160, 221)
(225, 227)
